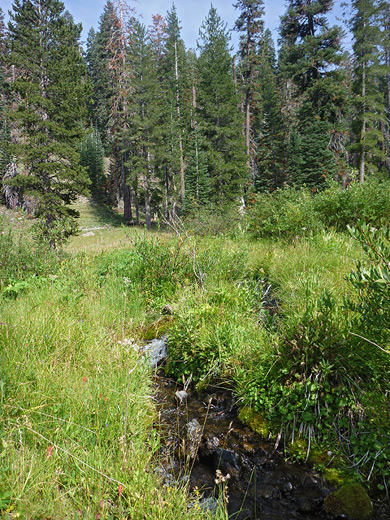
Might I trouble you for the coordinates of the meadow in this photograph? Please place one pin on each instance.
(280, 321)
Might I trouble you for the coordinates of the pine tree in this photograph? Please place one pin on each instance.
(268, 124)
(92, 158)
(369, 101)
(197, 176)
(384, 14)
(51, 86)
(98, 56)
(4, 123)
(176, 86)
(120, 75)
(144, 133)
(251, 26)
(314, 84)
(219, 121)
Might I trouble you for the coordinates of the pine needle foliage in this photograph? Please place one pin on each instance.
(51, 87)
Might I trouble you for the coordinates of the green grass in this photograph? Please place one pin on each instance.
(76, 412)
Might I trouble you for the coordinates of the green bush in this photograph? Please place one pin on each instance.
(152, 265)
(289, 213)
(283, 213)
(368, 202)
(21, 258)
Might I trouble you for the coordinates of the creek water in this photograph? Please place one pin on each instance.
(202, 433)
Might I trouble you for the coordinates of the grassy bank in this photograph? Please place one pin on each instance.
(271, 319)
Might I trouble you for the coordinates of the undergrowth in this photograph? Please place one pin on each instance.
(298, 328)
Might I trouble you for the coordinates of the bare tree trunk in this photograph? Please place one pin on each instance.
(148, 195)
(363, 131)
(182, 167)
(127, 213)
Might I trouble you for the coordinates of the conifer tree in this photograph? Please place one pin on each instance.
(197, 175)
(4, 123)
(250, 25)
(314, 85)
(175, 84)
(92, 157)
(268, 124)
(385, 26)
(218, 118)
(51, 85)
(369, 100)
(144, 133)
(98, 56)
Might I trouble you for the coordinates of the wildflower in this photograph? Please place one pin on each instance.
(49, 452)
(120, 490)
(84, 380)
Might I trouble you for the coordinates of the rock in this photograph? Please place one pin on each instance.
(228, 462)
(193, 438)
(209, 504)
(181, 396)
(287, 487)
(156, 351)
(209, 446)
(350, 501)
(89, 234)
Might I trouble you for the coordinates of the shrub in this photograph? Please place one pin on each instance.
(289, 213)
(283, 213)
(21, 258)
(369, 202)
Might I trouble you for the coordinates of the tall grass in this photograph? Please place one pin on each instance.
(76, 411)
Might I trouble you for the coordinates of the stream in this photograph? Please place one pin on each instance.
(205, 430)
(201, 433)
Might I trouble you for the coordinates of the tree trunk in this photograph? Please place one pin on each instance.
(363, 132)
(182, 168)
(148, 195)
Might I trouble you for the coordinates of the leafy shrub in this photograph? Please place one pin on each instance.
(214, 220)
(372, 285)
(21, 258)
(290, 213)
(156, 267)
(283, 213)
(369, 202)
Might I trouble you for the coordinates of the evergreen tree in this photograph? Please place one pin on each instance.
(385, 26)
(4, 123)
(51, 86)
(369, 101)
(143, 136)
(219, 121)
(98, 56)
(176, 86)
(197, 175)
(314, 83)
(92, 158)
(250, 25)
(268, 124)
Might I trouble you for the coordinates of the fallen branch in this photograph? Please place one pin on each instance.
(369, 341)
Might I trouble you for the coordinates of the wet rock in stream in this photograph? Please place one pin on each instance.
(261, 485)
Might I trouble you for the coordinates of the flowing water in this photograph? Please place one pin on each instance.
(202, 433)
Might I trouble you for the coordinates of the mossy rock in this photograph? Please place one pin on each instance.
(254, 420)
(338, 477)
(350, 501)
(157, 329)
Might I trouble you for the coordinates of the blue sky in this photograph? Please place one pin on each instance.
(191, 13)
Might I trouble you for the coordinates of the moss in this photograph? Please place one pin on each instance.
(350, 501)
(157, 329)
(338, 477)
(255, 421)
